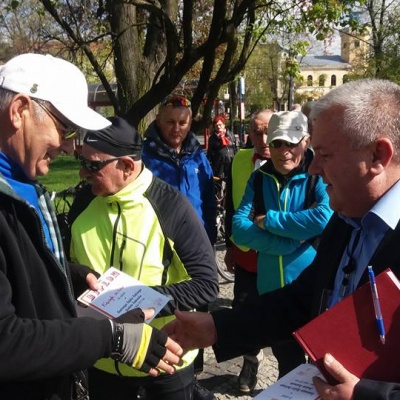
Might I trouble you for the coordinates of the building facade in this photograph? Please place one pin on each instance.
(321, 73)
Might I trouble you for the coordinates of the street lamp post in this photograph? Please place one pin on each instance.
(241, 92)
(291, 93)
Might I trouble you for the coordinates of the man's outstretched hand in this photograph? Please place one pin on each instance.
(192, 330)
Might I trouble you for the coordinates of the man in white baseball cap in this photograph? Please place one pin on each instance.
(42, 101)
(55, 81)
(278, 194)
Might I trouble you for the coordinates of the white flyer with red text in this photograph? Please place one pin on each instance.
(120, 293)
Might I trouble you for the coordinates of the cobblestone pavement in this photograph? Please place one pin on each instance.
(221, 378)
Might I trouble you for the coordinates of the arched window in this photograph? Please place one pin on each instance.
(309, 80)
(345, 78)
(333, 80)
(321, 80)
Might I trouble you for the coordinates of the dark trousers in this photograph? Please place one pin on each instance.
(245, 292)
(289, 355)
(105, 386)
(245, 287)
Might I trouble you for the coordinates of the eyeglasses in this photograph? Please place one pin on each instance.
(65, 131)
(176, 101)
(96, 165)
(276, 144)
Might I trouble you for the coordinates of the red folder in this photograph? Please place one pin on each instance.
(348, 331)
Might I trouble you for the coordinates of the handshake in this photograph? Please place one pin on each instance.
(134, 342)
(143, 347)
(150, 350)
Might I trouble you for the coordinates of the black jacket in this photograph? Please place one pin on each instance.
(41, 341)
(221, 156)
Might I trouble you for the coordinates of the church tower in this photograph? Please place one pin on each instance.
(354, 46)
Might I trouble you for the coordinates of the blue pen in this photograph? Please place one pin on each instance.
(377, 306)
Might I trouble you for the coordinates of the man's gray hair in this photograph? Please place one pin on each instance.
(264, 112)
(371, 109)
(5, 99)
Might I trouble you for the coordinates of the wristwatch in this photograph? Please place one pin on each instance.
(118, 340)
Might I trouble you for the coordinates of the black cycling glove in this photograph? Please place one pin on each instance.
(137, 344)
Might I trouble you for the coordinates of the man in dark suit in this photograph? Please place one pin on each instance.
(357, 153)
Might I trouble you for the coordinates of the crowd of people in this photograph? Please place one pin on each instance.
(315, 193)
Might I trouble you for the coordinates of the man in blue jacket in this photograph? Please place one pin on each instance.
(173, 153)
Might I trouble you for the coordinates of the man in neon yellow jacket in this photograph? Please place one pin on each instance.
(128, 218)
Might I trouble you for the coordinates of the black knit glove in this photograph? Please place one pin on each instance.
(137, 344)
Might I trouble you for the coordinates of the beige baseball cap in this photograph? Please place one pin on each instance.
(290, 126)
(54, 80)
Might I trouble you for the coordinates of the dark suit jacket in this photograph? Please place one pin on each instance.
(284, 310)
(373, 390)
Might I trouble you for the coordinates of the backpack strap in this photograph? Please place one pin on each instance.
(310, 191)
(309, 201)
(258, 199)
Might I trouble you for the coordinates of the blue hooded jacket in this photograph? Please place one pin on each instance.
(188, 171)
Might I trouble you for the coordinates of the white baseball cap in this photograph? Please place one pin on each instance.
(290, 126)
(54, 80)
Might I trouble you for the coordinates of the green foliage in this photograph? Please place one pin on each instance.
(12, 5)
(258, 72)
(322, 16)
(151, 46)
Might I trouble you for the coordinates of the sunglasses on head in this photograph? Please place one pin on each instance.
(65, 131)
(276, 144)
(176, 101)
(96, 165)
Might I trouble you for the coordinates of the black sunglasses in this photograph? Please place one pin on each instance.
(96, 165)
(276, 144)
(64, 130)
